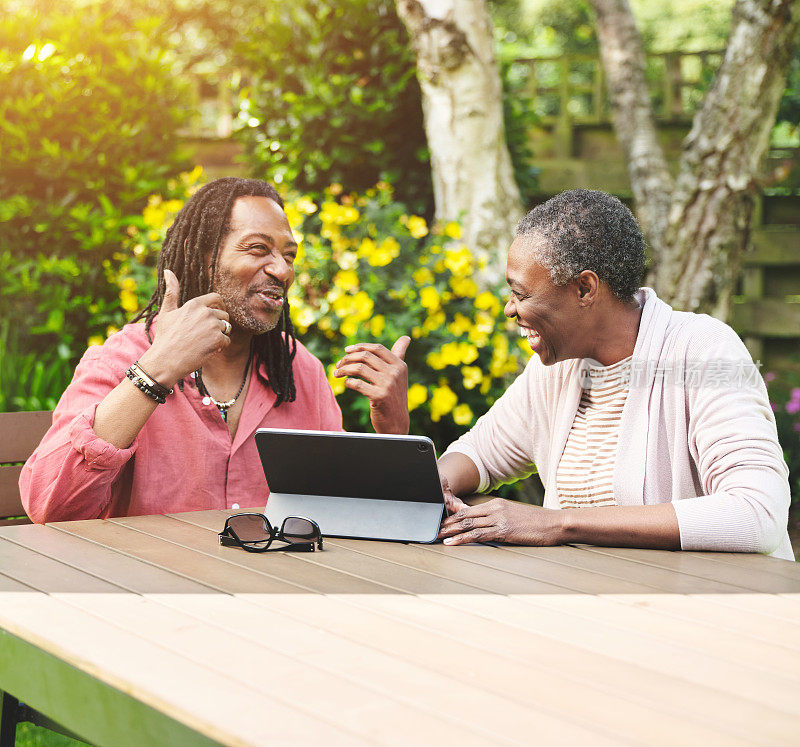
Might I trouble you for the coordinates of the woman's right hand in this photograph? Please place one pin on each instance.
(184, 336)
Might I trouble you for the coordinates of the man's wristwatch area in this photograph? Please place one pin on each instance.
(147, 384)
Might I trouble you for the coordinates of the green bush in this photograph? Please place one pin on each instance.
(370, 271)
(88, 118)
(334, 99)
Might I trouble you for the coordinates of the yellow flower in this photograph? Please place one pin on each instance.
(336, 384)
(111, 330)
(349, 327)
(434, 321)
(429, 298)
(417, 394)
(462, 414)
(488, 302)
(523, 345)
(384, 252)
(346, 279)
(472, 376)
(464, 287)
(417, 332)
(347, 260)
(306, 206)
(452, 230)
(303, 316)
(366, 248)
(459, 261)
(500, 358)
(483, 328)
(363, 305)
(127, 299)
(422, 276)
(443, 400)
(335, 189)
(128, 284)
(96, 340)
(377, 325)
(417, 226)
(460, 325)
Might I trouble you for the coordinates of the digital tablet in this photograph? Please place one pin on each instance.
(362, 485)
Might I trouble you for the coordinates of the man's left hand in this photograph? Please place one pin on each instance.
(381, 375)
(500, 520)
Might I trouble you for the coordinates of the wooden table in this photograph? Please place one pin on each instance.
(145, 631)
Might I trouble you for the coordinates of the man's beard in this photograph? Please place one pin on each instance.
(239, 310)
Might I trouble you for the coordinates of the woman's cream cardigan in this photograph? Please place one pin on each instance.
(697, 429)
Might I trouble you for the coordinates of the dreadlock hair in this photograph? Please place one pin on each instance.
(204, 221)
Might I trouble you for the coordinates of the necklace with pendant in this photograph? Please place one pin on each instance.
(223, 407)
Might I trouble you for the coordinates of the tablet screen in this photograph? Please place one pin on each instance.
(351, 465)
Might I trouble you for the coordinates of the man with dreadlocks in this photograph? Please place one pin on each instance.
(161, 417)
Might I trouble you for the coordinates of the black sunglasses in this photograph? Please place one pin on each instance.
(254, 533)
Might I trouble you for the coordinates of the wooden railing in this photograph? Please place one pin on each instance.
(573, 87)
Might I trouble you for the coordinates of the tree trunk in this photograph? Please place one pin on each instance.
(723, 154)
(473, 180)
(698, 228)
(623, 60)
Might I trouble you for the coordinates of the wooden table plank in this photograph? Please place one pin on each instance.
(318, 556)
(689, 634)
(10, 584)
(158, 677)
(279, 677)
(652, 577)
(288, 567)
(755, 560)
(420, 638)
(566, 694)
(556, 725)
(100, 561)
(211, 571)
(109, 562)
(43, 573)
(694, 564)
(531, 576)
(396, 677)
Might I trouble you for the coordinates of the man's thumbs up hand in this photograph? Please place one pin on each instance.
(185, 336)
(172, 292)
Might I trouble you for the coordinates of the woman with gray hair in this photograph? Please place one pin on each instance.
(649, 427)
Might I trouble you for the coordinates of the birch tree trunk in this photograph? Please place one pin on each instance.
(473, 181)
(698, 227)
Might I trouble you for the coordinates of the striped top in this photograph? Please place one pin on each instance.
(585, 475)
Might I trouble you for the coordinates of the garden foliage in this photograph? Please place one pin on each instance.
(333, 98)
(88, 120)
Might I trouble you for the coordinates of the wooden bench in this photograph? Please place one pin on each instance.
(20, 433)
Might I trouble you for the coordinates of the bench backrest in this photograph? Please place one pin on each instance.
(20, 433)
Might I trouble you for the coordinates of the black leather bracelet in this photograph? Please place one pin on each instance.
(143, 386)
(150, 381)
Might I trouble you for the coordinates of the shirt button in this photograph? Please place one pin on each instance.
(206, 400)
(234, 505)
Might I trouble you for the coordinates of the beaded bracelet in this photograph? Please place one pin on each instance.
(141, 384)
(150, 381)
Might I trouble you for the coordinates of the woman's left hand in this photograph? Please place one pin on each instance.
(500, 520)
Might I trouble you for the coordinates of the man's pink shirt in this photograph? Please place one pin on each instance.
(182, 460)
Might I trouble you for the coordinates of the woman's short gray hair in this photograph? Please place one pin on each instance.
(588, 230)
